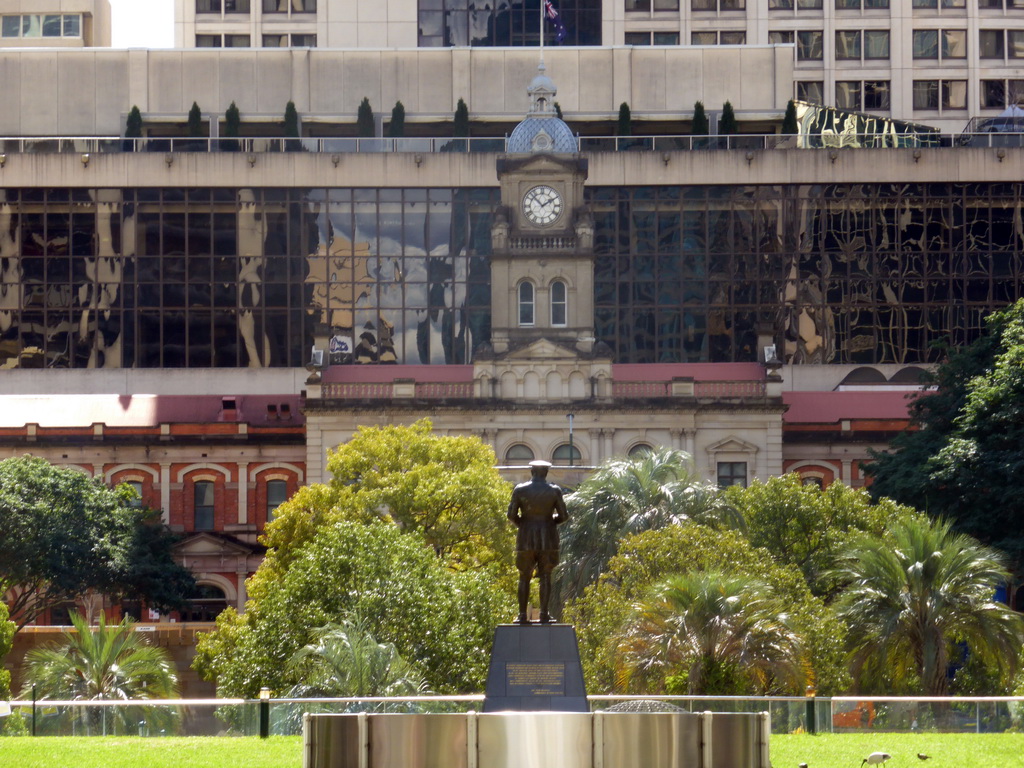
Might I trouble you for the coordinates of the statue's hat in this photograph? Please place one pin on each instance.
(540, 463)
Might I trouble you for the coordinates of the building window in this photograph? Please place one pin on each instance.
(644, 6)
(811, 91)
(207, 6)
(940, 94)
(652, 38)
(204, 604)
(277, 494)
(236, 6)
(1000, 5)
(289, 6)
(208, 41)
(303, 41)
(718, 5)
(857, 5)
(780, 37)
(1001, 93)
(567, 453)
(42, 25)
(526, 303)
(938, 3)
(518, 453)
(848, 45)
(1001, 44)
(812, 480)
(859, 95)
(202, 494)
(801, 5)
(237, 41)
(275, 41)
(640, 450)
(809, 45)
(136, 486)
(732, 473)
(444, 23)
(927, 44)
(718, 38)
(559, 304)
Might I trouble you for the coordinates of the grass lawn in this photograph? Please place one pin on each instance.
(828, 750)
(172, 752)
(947, 750)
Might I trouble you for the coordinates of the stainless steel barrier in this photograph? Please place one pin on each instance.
(538, 740)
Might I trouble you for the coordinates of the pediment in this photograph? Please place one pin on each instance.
(204, 544)
(542, 349)
(732, 445)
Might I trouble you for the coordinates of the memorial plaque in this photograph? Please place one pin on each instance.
(532, 679)
(535, 668)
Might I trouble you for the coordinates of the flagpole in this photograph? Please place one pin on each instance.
(541, 8)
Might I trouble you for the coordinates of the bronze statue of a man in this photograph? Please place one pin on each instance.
(537, 509)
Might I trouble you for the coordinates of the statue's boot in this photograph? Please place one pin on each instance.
(545, 618)
(523, 620)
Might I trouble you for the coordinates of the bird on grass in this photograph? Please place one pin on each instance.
(802, 765)
(875, 758)
(923, 756)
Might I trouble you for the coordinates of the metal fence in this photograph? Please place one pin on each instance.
(283, 716)
(337, 148)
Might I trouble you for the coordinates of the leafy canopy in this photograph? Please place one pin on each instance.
(912, 596)
(7, 629)
(964, 460)
(439, 619)
(65, 534)
(808, 526)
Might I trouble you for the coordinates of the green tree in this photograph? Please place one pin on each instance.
(344, 660)
(626, 496)
(232, 123)
(108, 662)
(624, 127)
(912, 596)
(727, 124)
(133, 124)
(291, 127)
(558, 111)
(445, 487)
(706, 633)
(7, 629)
(396, 128)
(700, 125)
(648, 558)
(789, 124)
(808, 526)
(364, 119)
(460, 122)
(405, 594)
(195, 120)
(65, 534)
(965, 454)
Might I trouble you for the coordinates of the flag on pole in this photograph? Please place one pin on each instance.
(556, 18)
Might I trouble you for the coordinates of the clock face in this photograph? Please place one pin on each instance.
(542, 205)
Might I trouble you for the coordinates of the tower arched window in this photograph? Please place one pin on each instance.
(526, 303)
(559, 303)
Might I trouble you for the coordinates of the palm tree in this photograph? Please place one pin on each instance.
(346, 660)
(105, 662)
(629, 495)
(715, 633)
(912, 596)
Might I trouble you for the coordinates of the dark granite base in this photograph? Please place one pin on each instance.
(535, 668)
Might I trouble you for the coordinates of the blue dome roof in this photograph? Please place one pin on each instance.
(542, 134)
(542, 130)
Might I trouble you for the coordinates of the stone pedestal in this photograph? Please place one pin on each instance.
(535, 668)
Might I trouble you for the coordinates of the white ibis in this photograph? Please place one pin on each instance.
(875, 758)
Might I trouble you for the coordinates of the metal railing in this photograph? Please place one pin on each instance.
(338, 147)
(789, 714)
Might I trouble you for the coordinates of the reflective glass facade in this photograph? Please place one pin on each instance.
(150, 278)
(506, 23)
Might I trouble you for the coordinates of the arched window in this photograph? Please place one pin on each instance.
(137, 487)
(518, 453)
(638, 450)
(203, 496)
(204, 604)
(559, 303)
(526, 303)
(277, 494)
(567, 453)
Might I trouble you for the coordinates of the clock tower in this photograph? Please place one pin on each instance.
(542, 266)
